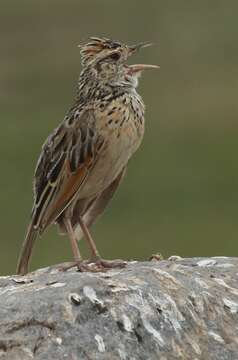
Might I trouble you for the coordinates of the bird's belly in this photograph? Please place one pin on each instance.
(117, 152)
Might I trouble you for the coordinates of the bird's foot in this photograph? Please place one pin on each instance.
(157, 257)
(107, 264)
(81, 265)
(95, 264)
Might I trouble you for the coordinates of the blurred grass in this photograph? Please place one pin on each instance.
(180, 193)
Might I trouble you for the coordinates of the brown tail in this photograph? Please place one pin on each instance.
(26, 251)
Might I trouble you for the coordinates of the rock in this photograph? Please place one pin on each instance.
(168, 309)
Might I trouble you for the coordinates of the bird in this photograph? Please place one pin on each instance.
(83, 161)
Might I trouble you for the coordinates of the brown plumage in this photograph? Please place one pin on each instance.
(83, 161)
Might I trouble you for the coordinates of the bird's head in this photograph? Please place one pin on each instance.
(106, 60)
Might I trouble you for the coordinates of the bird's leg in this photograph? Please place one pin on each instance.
(73, 241)
(95, 256)
(78, 261)
(88, 236)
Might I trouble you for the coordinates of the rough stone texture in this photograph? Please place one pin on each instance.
(178, 309)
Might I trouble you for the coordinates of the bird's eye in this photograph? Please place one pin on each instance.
(115, 56)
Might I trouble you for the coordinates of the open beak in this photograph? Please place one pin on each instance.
(137, 68)
(137, 47)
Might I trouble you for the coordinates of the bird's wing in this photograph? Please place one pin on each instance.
(65, 162)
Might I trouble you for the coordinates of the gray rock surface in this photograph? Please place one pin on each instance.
(177, 309)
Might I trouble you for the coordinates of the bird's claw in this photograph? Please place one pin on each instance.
(157, 257)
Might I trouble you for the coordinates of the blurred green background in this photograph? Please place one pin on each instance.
(180, 193)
